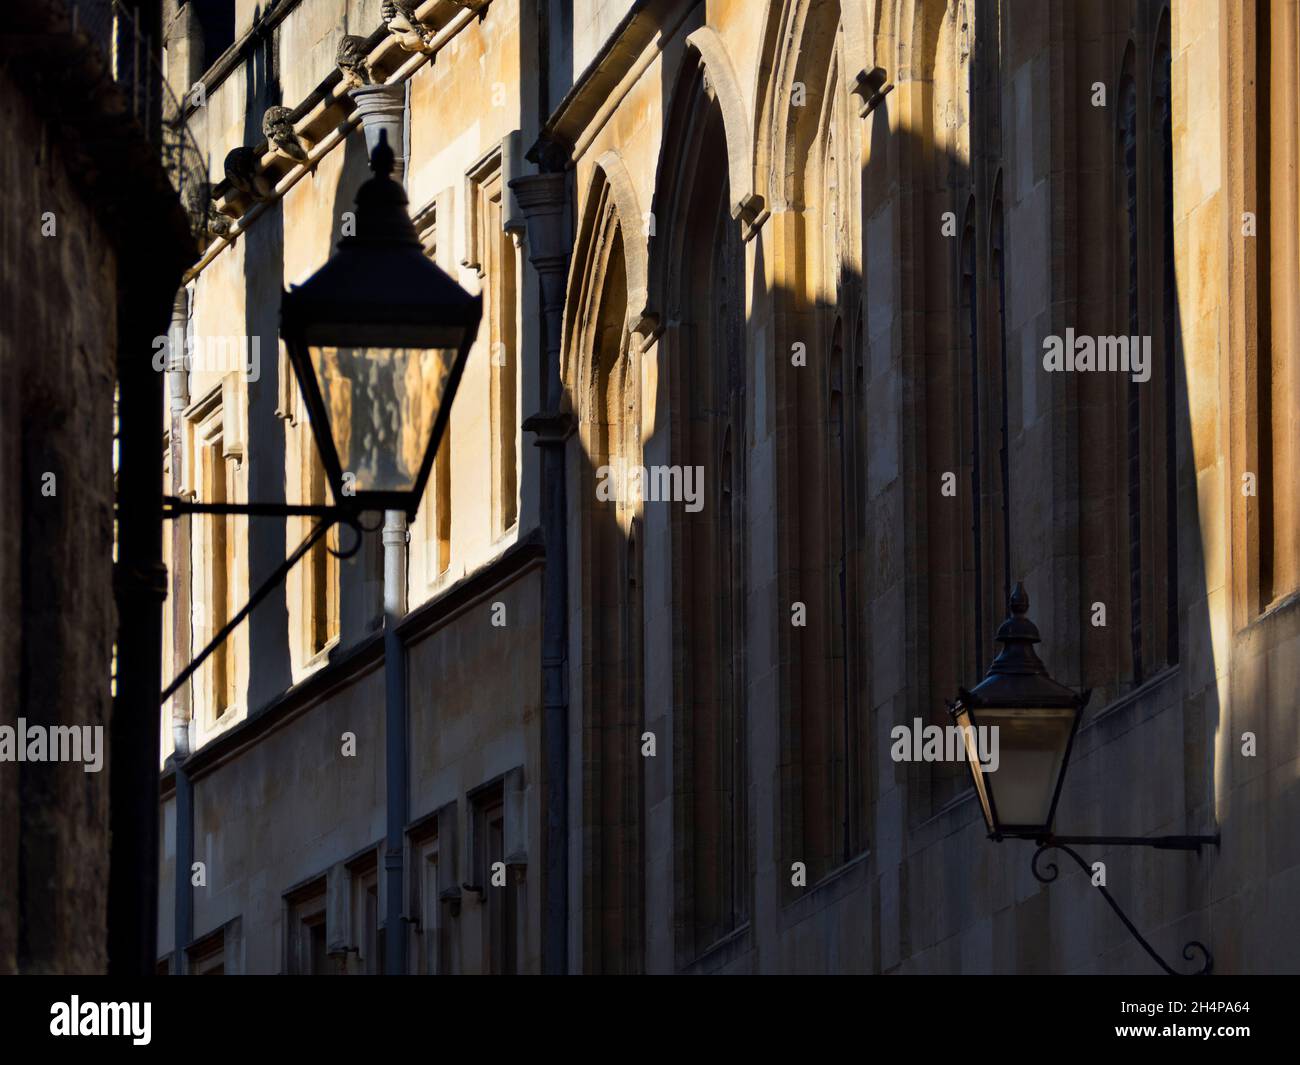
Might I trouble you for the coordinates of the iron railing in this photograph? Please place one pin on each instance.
(128, 55)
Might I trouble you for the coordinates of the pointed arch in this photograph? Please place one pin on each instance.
(604, 393)
(810, 160)
(640, 318)
(611, 205)
(705, 79)
(810, 36)
(858, 27)
(722, 85)
(697, 275)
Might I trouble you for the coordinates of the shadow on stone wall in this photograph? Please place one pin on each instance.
(269, 663)
(887, 407)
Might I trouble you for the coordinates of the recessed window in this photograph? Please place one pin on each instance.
(367, 935)
(321, 591)
(491, 252)
(208, 956)
(215, 551)
(306, 945)
(435, 508)
(217, 23)
(426, 956)
(494, 862)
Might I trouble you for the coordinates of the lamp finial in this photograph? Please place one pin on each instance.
(1017, 632)
(1019, 604)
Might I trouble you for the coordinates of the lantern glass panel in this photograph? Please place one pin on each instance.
(962, 717)
(381, 403)
(1032, 745)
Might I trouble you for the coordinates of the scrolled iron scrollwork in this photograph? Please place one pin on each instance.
(1052, 872)
(359, 530)
(1041, 877)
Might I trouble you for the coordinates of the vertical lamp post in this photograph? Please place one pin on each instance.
(1036, 720)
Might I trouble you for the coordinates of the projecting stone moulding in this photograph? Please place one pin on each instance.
(747, 206)
(641, 320)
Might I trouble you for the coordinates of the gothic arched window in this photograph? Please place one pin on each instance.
(821, 459)
(605, 386)
(1128, 155)
(702, 263)
(1163, 114)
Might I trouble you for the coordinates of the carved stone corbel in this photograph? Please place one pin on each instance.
(242, 172)
(277, 127)
(217, 223)
(551, 155)
(645, 327)
(751, 212)
(870, 86)
(351, 59)
(206, 217)
(405, 27)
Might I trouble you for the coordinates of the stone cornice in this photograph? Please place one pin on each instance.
(634, 44)
(325, 117)
(239, 52)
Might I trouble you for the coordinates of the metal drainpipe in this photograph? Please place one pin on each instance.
(178, 392)
(384, 107)
(395, 722)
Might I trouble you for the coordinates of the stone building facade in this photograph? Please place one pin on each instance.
(49, 544)
(77, 283)
(797, 263)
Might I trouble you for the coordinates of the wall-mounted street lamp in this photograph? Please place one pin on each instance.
(378, 338)
(1036, 720)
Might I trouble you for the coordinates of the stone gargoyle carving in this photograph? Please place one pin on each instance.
(404, 25)
(277, 127)
(351, 61)
(242, 173)
(218, 223)
(208, 220)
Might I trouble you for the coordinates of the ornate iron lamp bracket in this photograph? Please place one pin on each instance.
(329, 517)
(1191, 843)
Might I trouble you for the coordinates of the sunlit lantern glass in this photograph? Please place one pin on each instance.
(962, 716)
(1035, 719)
(381, 403)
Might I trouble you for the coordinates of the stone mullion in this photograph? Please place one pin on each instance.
(782, 235)
(1239, 375)
(909, 360)
(1063, 565)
